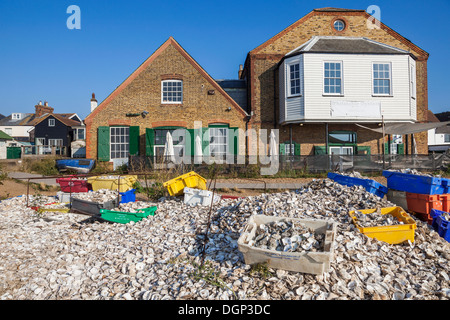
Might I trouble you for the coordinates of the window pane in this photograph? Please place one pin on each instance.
(332, 77)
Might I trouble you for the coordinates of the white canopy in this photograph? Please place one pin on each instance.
(406, 128)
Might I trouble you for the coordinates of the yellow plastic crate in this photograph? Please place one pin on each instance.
(126, 183)
(190, 180)
(394, 234)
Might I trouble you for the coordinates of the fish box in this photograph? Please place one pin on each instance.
(72, 184)
(191, 179)
(122, 183)
(393, 234)
(445, 198)
(65, 197)
(423, 203)
(197, 196)
(128, 196)
(398, 198)
(414, 183)
(93, 208)
(370, 185)
(305, 261)
(126, 217)
(440, 224)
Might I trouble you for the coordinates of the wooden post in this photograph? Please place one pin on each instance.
(382, 125)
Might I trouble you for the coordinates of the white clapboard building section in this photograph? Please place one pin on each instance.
(346, 79)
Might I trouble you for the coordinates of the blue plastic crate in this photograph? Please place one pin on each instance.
(415, 183)
(368, 184)
(439, 224)
(128, 196)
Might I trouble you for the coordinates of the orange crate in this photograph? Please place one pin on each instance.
(423, 203)
(445, 198)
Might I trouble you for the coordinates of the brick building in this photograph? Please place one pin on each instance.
(169, 91)
(314, 81)
(310, 133)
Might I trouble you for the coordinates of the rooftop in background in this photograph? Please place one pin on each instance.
(331, 9)
(356, 45)
(236, 89)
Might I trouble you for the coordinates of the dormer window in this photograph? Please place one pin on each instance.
(172, 91)
(16, 116)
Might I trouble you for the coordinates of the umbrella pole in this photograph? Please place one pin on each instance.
(384, 141)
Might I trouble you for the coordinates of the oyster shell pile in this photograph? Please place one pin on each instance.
(155, 259)
(99, 196)
(133, 206)
(287, 236)
(376, 219)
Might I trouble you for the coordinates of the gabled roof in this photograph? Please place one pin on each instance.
(355, 45)
(343, 12)
(431, 117)
(68, 122)
(146, 63)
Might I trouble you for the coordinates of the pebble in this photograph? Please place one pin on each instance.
(76, 257)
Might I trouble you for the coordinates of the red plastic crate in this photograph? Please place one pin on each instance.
(445, 198)
(424, 217)
(423, 203)
(73, 185)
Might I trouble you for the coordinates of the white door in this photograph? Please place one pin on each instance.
(341, 151)
(39, 145)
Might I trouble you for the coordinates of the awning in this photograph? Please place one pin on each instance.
(406, 128)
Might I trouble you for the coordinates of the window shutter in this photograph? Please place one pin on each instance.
(205, 141)
(401, 148)
(134, 141)
(103, 144)
(234, 131)
(296, 149)
(190, 149)
(386, 148)
(149, 141)
(282, 149)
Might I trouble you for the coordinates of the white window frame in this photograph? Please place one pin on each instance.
(162, 91)
(58, 144)
(178, 148)
(51, 122)
(289, 79)
(390, 94)
(125, 143)
(77, 133)
(413, 81)
(341, 149)
(16, 116)
(342, 23)
(212, 143)
(289, 149)
(340, 94)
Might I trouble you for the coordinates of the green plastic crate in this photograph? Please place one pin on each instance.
(126, 217)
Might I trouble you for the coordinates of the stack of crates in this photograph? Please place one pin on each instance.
(418, 194)
(123, 184)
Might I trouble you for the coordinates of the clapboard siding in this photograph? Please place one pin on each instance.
(291, 107)
(357, 86)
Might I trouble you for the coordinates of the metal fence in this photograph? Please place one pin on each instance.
(306, 164)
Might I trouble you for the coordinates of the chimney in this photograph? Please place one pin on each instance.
(93, 102)
(41, 109)
(241, 68)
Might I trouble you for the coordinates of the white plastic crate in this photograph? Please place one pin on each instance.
(316, 262)
(64, 197)
(197, 196)
(398, 198)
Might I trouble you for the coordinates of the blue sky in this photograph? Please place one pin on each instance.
(41, 59)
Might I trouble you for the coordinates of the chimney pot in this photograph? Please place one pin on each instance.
(241, 68)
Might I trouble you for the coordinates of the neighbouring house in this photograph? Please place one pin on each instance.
(331, 70)
(55, 129)
(17, 126)
(168, 91)
(438, 138)
(6, 144)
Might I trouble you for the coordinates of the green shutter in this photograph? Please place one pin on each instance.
(103, 144)
(320, 150)
(296, 149)
(134, 141)
(401, 148)
(205, 141)
(282, 149)
(149, 141)
(234, 131)
(190, 142)
(386, 148)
